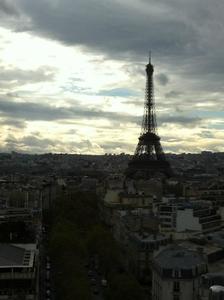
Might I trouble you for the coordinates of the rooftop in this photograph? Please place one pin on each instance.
(215, 278)
(207, 248)
(16, 255)
(177, 257)
(11, 255)
(216, 237)
(149, 237)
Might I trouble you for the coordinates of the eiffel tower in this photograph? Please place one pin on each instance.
(149, 158)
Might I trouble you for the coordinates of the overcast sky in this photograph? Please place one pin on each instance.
(73, 74)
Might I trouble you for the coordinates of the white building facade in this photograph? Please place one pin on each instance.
(176, 274)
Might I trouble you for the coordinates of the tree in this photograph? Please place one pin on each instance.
(101, 242)
(124, 286)
(65, 239)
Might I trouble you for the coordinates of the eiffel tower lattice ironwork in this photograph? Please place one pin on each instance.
(149, 158)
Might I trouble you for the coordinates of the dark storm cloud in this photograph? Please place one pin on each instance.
(179, 119)
(13, 123)
(35, 141)
(207, 134)
(178, 32)
(32, 111)
(184, 36)
(15, 76)
(135, 69)
(29, 144)
(112, 26)
(173, 94)
(162, 79)
(21, 112)
(10, 143)
(7, 7)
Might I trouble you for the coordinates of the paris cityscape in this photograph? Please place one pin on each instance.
(111, 150)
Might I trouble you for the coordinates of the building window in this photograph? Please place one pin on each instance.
(176, 286)
(176, 273)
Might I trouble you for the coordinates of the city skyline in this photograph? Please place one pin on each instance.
(73, 74)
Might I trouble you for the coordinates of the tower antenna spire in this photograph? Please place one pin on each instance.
(150, 56)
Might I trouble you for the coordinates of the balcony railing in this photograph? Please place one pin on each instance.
(17, 275)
